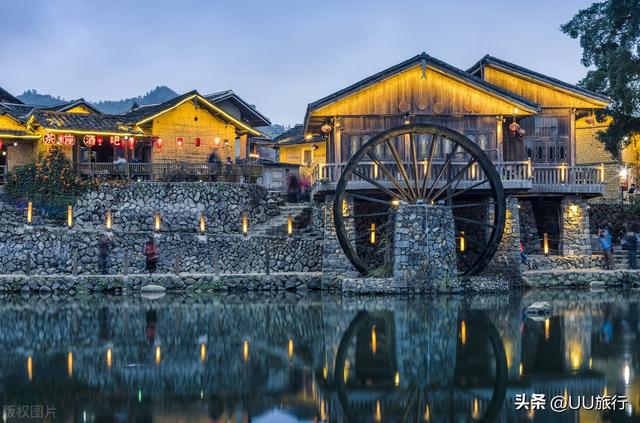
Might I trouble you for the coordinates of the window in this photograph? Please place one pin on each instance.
(307, 156)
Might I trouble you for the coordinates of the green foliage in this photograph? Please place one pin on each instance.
(609, 33)
(50, 183)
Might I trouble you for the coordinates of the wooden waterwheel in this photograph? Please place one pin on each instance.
(418, 163)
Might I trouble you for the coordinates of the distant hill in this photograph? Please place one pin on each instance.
(157, 95)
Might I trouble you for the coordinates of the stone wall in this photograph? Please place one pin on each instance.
(133, 206)
(55, 250)
(506, 261)
(617, 217)
(335, 264)
(425, 248)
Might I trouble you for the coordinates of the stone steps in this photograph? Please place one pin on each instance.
(277, 225)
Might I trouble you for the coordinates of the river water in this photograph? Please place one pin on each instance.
(317, 357)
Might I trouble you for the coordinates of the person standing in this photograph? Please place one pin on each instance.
(604, 237)
(103, 253)
(630, 243)
(151, 253)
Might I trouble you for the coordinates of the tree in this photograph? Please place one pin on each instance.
(609, 34)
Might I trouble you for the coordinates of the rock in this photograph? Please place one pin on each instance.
(539, 309)
(153, 288)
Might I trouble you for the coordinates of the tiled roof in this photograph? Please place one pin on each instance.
(82, 122)
(5, 97)
(294, 136)
(18, 111)
(488, 59)
(71, 104)
(15, 133)
(144, 112)
(251, 114)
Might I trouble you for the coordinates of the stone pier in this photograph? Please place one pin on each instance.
(335, 264)
(505, 264)
(425, 248)
(576, 239)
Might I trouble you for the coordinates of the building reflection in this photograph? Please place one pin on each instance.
(320, 358)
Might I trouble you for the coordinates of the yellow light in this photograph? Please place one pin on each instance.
(562, 172)
(463, 332)
(590, 363)
(70, 364)
(157, 222)
(372, 237)
(29, 212)
(395, 203)
(308, 137)
(203, 352)
(427, 414)
(345, 208)
(374, 339)
(289, 225)
(474, 171)
(69, 216)
(323, 411)
(325, 372)
(462, 242)
(601, 172)
(573, 208)
(158, 355)
(475, 409)
(516, 111)
(529, 168)
(520, 369)
(545, 243)
(109, 357)
(203, 223)
(347, 366)
(375, 171)
(378, 415)
(245, 224)
(108, 221)
(290, 349)
(245, 351)
(624, 173)
(547, 328)
(605, 391)
(396, 379)
(30, 368)
(531, 413)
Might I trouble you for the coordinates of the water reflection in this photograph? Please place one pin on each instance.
(316, 358)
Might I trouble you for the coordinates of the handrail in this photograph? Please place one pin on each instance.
(171, 171)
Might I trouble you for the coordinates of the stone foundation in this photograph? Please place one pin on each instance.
(579, 278)
(425, 248)
(506, 261)
(335, 264)
(576, 239)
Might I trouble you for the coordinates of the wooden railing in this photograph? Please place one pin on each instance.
(521, 171)
(3, 175)
(172, 171)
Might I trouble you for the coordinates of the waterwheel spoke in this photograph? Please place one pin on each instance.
(377, 184)
(389, 175)
(467, 189)
(367, 198)
(473, 222)
(403, 171)
(412, 140)
(427, 172)
(465, 205)
(454, 179)
(444, 167)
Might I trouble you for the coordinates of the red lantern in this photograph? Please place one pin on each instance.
(89, 140)
(49, 138)
(514, 126)
(99, 140)
(1, 144)
(197, 142)
(132, 142)
(159, 143)
(326, 128)
(179, 141)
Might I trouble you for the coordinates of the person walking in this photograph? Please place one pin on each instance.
(604, 237)
(151, 253)
(630, 243)
(103, 253)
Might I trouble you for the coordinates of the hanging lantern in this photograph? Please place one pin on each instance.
(89, 140)
(69, 140)
(158, 143)
(132, 143)
(521, 132)
(326, 128)
(1, 144)
(99, 140)
(197, 141)
(179, 141)
(513, 127)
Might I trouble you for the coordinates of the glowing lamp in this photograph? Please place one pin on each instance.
(624, 173)
(179, 141)
(545, 243)
(529, 168)
(69, 216)
(601, 172)
(156, 223)
(463, 332)
(203, 223)
(216, 141)
(395, 203)
(377, 417)
(203, 352)
(573, 208)
(1, 144)
(290, 349)
(245, 224)
(513, 127)
(108, 220)
(396, 379)
(372, 236)
(70, 364)
(99, 140)
(462, 242)
(375, 171)
(197, 142)
(30, 368)
(326, 128)
(308, 137)
(475, 409)
(245, 351)
(158, 355)
(109, 357)
(29, 212)
(159, 143)
(374, 339)
(132, 142)
(289, 225)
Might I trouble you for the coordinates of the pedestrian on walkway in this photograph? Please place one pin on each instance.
(604, 237)
(630, 243)
(151, 254)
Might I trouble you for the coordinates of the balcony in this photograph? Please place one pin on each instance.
(172, 172)
(522, 177)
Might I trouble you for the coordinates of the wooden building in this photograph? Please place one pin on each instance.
(188, 134)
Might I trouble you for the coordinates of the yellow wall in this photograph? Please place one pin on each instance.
(8, 123)
(543, 95)
(180, 122)
(81, 109)
(293, 153)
